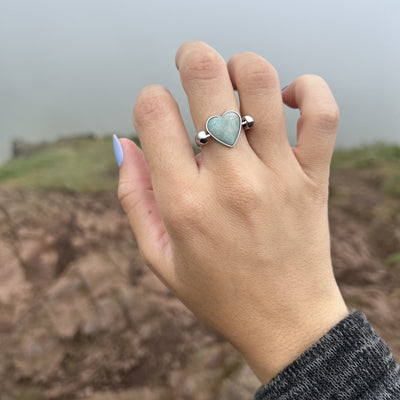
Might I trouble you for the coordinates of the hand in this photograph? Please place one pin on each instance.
(240, 235)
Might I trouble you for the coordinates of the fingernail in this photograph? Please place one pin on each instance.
(286, 86)
(119, 154)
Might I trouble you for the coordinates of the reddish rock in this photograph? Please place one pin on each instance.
(82, 317)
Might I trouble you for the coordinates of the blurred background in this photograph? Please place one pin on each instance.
(77, 66)
(81, 317)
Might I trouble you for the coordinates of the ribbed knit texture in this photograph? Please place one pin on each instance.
(350, 362)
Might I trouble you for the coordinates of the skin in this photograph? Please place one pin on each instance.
(240, 235)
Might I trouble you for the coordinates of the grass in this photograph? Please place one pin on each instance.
(382, 160)
(83, 164)
(28, 394)
(393, 259)
(87, 164)
(366, 156)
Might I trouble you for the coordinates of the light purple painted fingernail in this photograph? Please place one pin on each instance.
(119, 154)
(286, 86)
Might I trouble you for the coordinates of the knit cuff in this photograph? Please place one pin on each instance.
(350, 362)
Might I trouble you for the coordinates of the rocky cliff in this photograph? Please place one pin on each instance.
(82, 317)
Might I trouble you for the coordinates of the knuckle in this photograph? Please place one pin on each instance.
(242, 193)
(257, 74)
(203, 65)
(325, 111)
(153, 101)
(131, 202)
(125, 195)
(327, 116)
(183, 208)
(247, 197)
(311, 80)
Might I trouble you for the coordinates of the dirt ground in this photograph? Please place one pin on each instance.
(82, 317)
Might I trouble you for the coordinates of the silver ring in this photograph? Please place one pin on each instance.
(225, 129)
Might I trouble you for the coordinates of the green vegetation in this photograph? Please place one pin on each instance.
(366, 156)
(382, 161)
(86, 164)
(393, 259)
(82, 164)
(28, 394)
(392, 183)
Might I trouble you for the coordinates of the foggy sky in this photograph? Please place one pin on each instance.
(71, 66)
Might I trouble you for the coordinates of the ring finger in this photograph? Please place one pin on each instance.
(206, 81)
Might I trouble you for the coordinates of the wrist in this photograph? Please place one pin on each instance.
(274, 346)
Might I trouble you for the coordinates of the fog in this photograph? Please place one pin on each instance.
(72, 66)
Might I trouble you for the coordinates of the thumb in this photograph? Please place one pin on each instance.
(135, 192)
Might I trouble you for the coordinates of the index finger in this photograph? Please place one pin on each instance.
(165, 142)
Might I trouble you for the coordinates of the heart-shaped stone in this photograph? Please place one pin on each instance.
(225, 129)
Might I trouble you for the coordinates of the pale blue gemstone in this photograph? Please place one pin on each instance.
(226, 129)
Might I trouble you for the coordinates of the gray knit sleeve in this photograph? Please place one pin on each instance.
(350, 362)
